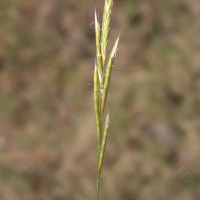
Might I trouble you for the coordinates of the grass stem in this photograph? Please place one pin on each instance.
(101, 82)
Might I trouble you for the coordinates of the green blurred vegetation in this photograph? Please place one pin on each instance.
(48, 143)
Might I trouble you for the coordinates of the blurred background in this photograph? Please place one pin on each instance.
(48, 142)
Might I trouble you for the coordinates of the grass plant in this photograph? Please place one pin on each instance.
(102, 76)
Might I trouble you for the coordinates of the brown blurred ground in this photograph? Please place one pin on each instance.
(48, 144)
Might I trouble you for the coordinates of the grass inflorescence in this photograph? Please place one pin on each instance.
(102, 74)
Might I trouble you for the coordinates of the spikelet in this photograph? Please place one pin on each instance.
(103, 144)
(105, 28)
(98, 47)
(101, 81)
(96, 104)
(108, 74)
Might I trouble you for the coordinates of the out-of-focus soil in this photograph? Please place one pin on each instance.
(48, 143)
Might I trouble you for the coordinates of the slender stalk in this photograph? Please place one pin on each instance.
(98, 174)
(101, 86)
